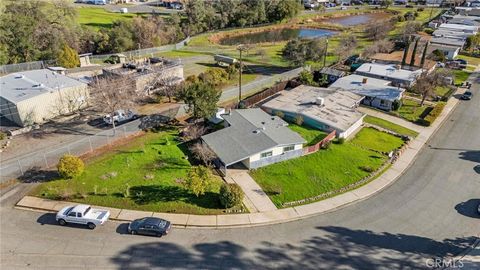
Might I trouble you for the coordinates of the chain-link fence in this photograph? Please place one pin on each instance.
(5, 69)
(40, 160)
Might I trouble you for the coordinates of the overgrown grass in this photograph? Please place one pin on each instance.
(317, 173)
(460, 76)
(411, 110)
(373, 139)
(423, 17)
(146, 174)
(390, 126)
(311, 135)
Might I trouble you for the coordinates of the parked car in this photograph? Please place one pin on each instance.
(467, 95)
(119, 116)
(150, 226)
(82, 214)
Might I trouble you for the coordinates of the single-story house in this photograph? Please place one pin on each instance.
(322, 108)
(447, 41)
(450, 34)
(450, 52)
(466, 17)
(378, 93)
(331, 73)
(35, 96)
(393, 73)
(464, 21)
(472, 30)
(253, 138)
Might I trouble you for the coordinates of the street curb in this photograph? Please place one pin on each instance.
(278, 216)
(460, 256)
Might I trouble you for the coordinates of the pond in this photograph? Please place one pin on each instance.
(357, 19)
(276, 35)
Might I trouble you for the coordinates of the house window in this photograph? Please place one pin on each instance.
(383, 102)
(266, 154)
(289, 148)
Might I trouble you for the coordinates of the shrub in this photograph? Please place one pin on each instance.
(437, 110)
(306, 77)
(341, 140)
(367, 169)
(3, 135)
(280, 114)
(230, 195)
(428, 30)
(299, 119)
(70, 166)
(400, 18)
(396, 104)
(199, 180)
(326, 145)
(420, 9)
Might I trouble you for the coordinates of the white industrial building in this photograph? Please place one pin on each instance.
(35, 96)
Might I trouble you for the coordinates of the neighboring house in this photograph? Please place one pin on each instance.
(393, 73)
(447, 41)
(451, 34)
(331, 73)
(466, 18)
(465, 21)
(322, 108)
(378, 93)
(253, 138)
(143, 74)
(468, 29)
(36, 96)
(450, 52)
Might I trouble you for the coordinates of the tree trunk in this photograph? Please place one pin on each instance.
(424, 96)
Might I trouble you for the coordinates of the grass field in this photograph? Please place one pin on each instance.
(441, 90)
(411, 110)
(460, 76)
(100, 18)
(326, 170)
(372, 139)
(423, 17)
(471, 60)
(311, 135)
(317, 173)
(152, 165)
(390, 126)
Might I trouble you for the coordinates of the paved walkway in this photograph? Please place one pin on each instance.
(259, 200)
(277, 215)
(391, 118)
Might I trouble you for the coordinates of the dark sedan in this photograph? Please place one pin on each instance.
(150, 226)
(467, 95)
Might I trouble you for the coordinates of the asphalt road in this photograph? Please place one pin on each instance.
(428, 213)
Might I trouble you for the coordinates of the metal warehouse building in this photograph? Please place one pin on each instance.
(36, 96)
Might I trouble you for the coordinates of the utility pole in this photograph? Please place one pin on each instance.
(325, 56)
(240, 48)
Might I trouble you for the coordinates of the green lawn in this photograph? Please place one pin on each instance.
(311, 135)
(471, 60)
(100, 18)
(441, 90)
(423, 17)
(411, 110)
(373, 139)
(390, 126)
(460, 76)
(152, 165)
(317, 173)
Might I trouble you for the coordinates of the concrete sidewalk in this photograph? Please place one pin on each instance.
(259, 199)
(279, 215)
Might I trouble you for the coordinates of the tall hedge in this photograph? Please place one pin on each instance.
(231, 195)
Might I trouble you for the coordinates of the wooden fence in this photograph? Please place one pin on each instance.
(314, 148)
(252, 100)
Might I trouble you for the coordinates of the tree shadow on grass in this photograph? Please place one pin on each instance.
(169, 163)
(155, 193)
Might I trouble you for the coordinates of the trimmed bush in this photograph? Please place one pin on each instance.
(437, 110)
(231, 195)
(341, 140)
(70, 166)
(396, 104)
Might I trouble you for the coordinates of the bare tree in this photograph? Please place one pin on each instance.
(203, 152)
(427, 83)
(347, 43)
(381, 46)
(378, 30)
(164, 86)
(410, 28)
(194, 131)
(112, 93)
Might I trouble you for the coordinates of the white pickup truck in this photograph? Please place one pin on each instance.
(119, 116)
(82, 214)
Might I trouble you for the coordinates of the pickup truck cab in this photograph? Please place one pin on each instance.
(82, 214)
(119, 116)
